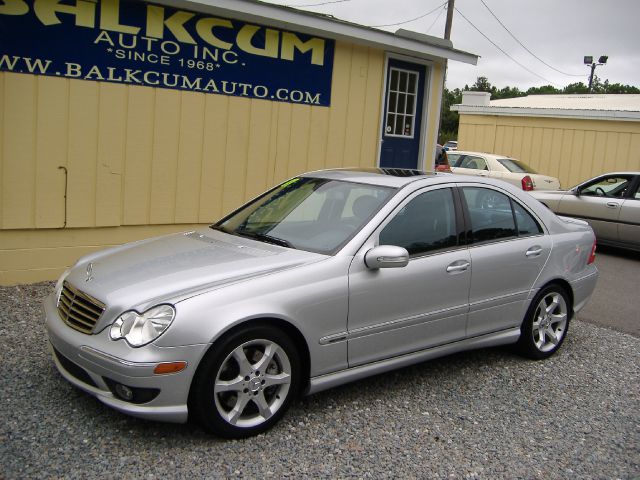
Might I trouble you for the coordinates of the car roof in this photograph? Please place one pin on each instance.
(481, 154)
(391, 177)
(397, 177)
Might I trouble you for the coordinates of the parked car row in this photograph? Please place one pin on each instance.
(610, 203)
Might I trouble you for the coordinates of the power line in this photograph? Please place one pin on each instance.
(499, 48)
(317, 4)
(523, 46)
(413, 19)
(436, 20)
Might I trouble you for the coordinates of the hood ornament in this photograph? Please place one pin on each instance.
(89, 272)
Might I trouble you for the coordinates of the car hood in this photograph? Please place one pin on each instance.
(170, 268)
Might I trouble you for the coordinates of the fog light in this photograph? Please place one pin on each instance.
(131, 394)
(123, 392)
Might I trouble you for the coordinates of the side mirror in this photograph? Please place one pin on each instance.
(577, 192)
(386, 256)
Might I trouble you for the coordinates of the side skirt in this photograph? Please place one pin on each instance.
(330, 380)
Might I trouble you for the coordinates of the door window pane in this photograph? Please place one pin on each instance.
(490, 214)
(475, 163)
(401, 102)
(615, 187)
(425, 224)
(527, 225)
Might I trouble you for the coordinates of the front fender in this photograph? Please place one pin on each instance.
(312, 298)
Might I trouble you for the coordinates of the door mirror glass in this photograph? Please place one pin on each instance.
(386, 256)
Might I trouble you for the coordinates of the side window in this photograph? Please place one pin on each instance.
(526, 224)
(490, 214)
(425, 224)
(615, 187)
(495, 216)
(475, 163)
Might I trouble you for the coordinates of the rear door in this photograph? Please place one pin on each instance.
(508, 249)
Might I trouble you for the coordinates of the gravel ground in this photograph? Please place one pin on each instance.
(483, 414)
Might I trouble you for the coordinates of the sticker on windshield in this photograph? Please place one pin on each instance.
(290, 182)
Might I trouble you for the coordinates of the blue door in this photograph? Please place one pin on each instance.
(402, 115)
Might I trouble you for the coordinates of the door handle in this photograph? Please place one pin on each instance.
(458, 266)
(534, 251)
(612, 205)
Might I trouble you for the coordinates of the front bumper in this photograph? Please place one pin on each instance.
(94, 362)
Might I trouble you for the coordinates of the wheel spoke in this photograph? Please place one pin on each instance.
(279, 379)
(269, 352)
(541, 338)
(552, 335)
(243, 362)
(554, 304)
(234, 385)
(559, 318)
(262, 405)
(238, 408)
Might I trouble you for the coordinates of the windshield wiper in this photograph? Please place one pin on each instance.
(264, 238)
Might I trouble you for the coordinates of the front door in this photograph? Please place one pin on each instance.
(401, 130)
(394, 311)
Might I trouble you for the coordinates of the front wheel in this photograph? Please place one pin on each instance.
(546, 323)
(246, 382)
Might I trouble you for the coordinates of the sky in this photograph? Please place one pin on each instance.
(559, 32)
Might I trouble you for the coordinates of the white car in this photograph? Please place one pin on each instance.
(451, 145)
(501, 167)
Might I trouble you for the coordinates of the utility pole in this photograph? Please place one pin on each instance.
(447, 27)
(447, 36)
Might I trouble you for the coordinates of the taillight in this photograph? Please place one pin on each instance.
(592, 255)
(527, 183)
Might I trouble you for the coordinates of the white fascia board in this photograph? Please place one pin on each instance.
(323, 26)
(617, 115)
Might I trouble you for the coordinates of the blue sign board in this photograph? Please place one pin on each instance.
(138, 43)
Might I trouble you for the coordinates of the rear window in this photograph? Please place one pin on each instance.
(515, 166)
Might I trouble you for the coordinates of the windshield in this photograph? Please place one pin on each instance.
(516, 166)
(312, 214)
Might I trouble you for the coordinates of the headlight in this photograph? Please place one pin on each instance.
(139, 329)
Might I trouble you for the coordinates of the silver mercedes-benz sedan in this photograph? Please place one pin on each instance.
(610, 203)
(330, 277)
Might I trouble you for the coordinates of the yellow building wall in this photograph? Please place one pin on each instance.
(144, 161)
(572, 150)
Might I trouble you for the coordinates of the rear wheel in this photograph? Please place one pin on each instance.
(546, 323)
(246, 382)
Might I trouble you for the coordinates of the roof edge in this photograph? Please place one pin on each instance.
(578, 114)
(325, 26)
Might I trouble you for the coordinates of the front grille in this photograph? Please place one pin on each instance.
(79, 310)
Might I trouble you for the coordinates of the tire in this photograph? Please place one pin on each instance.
(546, 323)
(246, 382)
